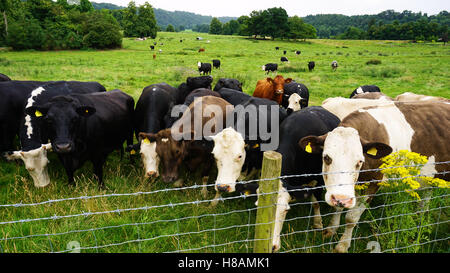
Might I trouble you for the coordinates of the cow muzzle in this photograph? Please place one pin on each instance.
(342, 201)
(279, 92)
(63, 147)
(223, 188)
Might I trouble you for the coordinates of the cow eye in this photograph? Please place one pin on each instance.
(327, 160)
(359, 164)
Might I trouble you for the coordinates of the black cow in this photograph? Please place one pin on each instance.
(277, 48)
(199, 92)
(311, 66)
(228, 83)
(216, 63)
(365, 89)
(33, 136)
(295, 87)
(270, 67)
(191, 84)
(334, 65)
(152, 47)
(284, 59)
(14, 97)
(313, 120)
(204, 68)
(284, 52)
(298, 52)
(233, 96)
(87, 127)
(4, 78)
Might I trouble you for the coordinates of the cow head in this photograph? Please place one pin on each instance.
(62, 117)
(170, 151)
(150, 158)
(278, 85)
(294, 103)
(229, 152)
(35, 162)
(344, 152)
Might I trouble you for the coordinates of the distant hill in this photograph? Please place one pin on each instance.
(175, 18)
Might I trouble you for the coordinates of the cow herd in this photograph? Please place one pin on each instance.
(200, 128)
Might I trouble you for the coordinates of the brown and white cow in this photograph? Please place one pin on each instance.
(367, 135)
(271, 89)
(342, 107)
(411, 97)
(186, 141)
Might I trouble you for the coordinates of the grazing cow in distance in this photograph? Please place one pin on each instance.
(311, 66)
(204, 68)
(271, 89)
(298, 52)
(152, 47)
(87, 127)
(313, 120)
(201, 50)
(154, 56)
(365, 89)
(334, 65)
(295, 96)
(284, 59)
(4, 78)
(284, 52)
(366, 136)
(277, 48)
(270, 67)
(228, 83)
(216, 63)
(34, 137)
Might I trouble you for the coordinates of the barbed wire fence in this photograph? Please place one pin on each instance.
(393, 222)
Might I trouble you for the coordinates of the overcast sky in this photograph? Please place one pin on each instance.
(236, 8)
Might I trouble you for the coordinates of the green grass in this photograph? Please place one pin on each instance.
(420, 68)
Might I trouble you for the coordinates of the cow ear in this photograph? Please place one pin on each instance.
(312, 144)
(270, 80)
(85, 111)
(375, 150)
(288, 80)
(36, 111)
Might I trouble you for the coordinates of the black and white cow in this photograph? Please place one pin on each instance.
(204, 68)
(216, 63)
(4, 78)
(270, 67)
(295, 96)
(284, 59)
(34, 137)
(228, 83)
(87, 127)
(365, 89)
(367, 135)
(313, 120)
(334, 65)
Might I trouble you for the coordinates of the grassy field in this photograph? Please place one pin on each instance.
(419, 68)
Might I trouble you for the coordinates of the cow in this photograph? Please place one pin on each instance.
(298, 52)
(204, 68)
(372, 96)
(277, 48)
(87, 127)
(365, 89)
(411, 97)
(313, 120)
(33, 137)
(4, 78)
(152, 114)
(270, 67)
(249, 136)
(199, 92)
(152, 47)
(334, 65)
(295, 102)
(201, 50)
(228, 83)
(190, 146)
(367, 135)
(311, 66)
(154, 56)
(342, 107)
(271, 89)
(284, 52)
(233, 96)
(216, 63)
(284, 59)
(14, 97)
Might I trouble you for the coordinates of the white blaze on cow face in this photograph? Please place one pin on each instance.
(35, 162)
(359, 90)
(229, 152)
(36, 92)
(294, 102)
(343, 156)
(150, 158)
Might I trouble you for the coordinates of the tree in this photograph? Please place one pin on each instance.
(275, 22)
(85, 6)
(298, 29)
(146, 22)
(101, 31)
(130, 20)
(170, 28)
(4, 7)
(215, 27)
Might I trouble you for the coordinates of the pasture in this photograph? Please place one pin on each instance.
(178, 219)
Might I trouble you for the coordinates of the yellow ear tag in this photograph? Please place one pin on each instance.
(38, 113)
(372, 151)
(247, 193)
(132, 152)
(146, 141)
(308, 148)
(255, 146)
(87, 111)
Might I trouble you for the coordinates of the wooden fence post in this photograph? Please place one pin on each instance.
(265, 215)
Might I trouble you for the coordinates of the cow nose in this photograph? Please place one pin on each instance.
(223, 188)
(341, 201)
(151, 174)
(63, 148)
